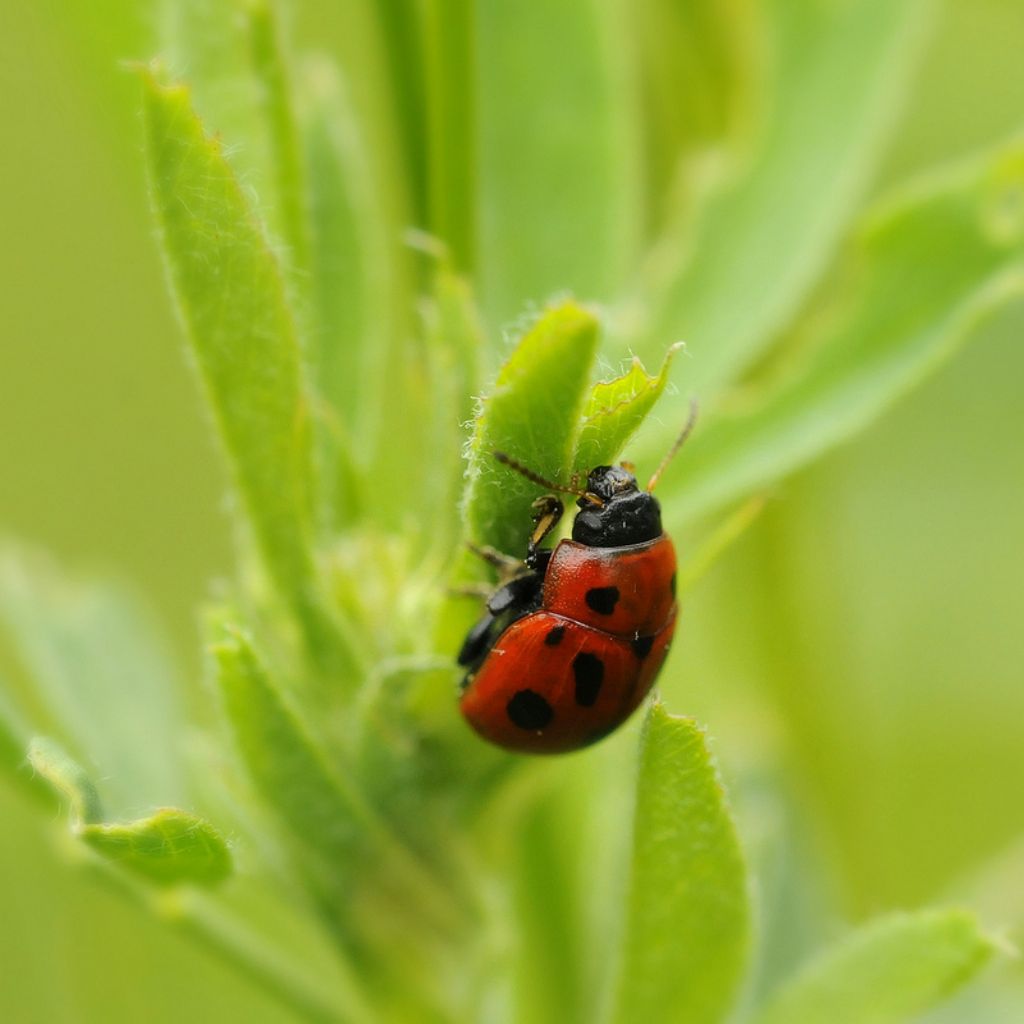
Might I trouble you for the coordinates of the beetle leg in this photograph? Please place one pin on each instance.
(478, 590)
(505, 564)
(547, 511)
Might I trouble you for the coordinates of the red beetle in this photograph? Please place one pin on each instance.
(572, 642)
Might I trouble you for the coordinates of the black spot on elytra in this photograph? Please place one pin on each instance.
(603, 599)
(589, 672)
(554, 637)
(529, 710)
(642, 646)
(672, 585)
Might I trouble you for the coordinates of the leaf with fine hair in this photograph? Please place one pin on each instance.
(289, 771)
(271, 69)
(917, 278)
(324, 813)
(169, 847)
(688, 913)
(532, 414)
(353, 286)
(235, 309)
(614, 411)
(68, 779)
(224, 51)
(888, 971)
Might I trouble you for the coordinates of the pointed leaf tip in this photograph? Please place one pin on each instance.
(170, 847)
(616, 409)
(532, 414)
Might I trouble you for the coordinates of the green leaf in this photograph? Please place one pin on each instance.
(353, 281)
(449, 35)
(170, 847)
(289, 771)
(212, 46)
(559, 186)
(838, 73)
(273, 80)
(233, 303)
(723, 535)
(889, 971)
(532, 415)
(94, 669)
(688, 918)
(698, 73)
(614, 411)
(12, 732)
(323, 811)
(454, 345)
(916, 280)
(68, 778)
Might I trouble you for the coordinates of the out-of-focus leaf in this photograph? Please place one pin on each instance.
(170, 847)
(559, 196)
(699, 68)
(917, 278)
(325, 815)
(450, 135)
(454, 346)
(379, 50)
(211, 46)
(96, 672)
(12, 734)
(288, 770)
(889, 971)
(614, 411)
(532, 415)
(694, 566)
(68, 778)
(274, 83)
(688, 917)
(838, 72)
(233, 303)
(352, 284)
(551, 969)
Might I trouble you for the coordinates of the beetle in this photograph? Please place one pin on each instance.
(573, 639)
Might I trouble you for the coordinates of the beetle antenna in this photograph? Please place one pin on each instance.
(691, 422)
(536, 478)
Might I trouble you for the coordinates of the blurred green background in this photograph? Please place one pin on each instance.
(874, 610)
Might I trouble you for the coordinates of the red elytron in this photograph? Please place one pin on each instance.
(571, 644)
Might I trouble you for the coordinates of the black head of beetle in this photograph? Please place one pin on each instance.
(622, 515)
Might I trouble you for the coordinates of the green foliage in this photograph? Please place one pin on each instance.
(615, 410)
(688, 919)
(169, 847)
(889, 971)
(533, 416)
(280, 756)
(67, 778)
(584, 177)
(538, 152)
(728, 278)
(90, 667)
(955, 244)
